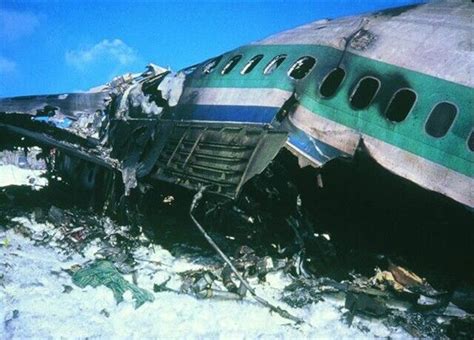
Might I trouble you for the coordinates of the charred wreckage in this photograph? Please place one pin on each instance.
(112, 145)
(245, 150)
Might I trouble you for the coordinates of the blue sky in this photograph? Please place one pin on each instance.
(65, 46)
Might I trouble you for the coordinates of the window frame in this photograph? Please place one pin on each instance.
(248, 64)
(393, 97)
(293, 66)
(283, 56)
(471, 133)
(357, 87)
(231, 60)
(452, 123)
(217, 59)
(324, 79)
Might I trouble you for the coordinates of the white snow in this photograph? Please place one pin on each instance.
(13, 175)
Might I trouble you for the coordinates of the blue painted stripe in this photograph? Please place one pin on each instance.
(62, 123)
(320, 151)
(316, 149)
(229, 113)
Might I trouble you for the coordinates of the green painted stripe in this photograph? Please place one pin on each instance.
(450, 151)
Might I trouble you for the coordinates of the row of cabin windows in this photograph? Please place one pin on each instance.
(300, 69)
(437, 125)
(439, 121)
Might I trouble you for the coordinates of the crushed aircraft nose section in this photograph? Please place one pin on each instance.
(122, 126)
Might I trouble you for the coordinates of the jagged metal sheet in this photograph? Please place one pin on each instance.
(218, 156)
(66, 104)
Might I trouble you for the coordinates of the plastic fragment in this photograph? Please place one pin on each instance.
(104, 273)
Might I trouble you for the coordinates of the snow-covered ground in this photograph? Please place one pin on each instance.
(36, 299)
(14, 175)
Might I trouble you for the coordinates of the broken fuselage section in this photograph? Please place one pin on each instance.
(324, 91)
(125, 127)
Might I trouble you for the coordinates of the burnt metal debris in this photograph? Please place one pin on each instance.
(230, 265)
(392, 294)
(127, 127)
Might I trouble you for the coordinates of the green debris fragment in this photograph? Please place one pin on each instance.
(104, 273)
(5, 242)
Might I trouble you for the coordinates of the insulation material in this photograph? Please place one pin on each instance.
(172, 87)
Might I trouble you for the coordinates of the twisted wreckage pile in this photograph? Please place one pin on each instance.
(393, 294)
(98, 126)
(129, 126)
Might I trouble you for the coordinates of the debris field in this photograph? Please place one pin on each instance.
(70, 270)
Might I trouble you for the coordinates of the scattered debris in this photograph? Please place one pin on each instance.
(381, 279)
(302, 292)
(105, 313)
(411, 282)
(365, 304)
(283, 313)
(67, 289)
(417, 325)
(394, 295)
(104, 273)
(200, 284)
(158, 288)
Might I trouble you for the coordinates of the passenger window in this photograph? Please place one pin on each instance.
(211, 65)
(231, 64)
(400, 105)
(251, 64)
(187, 71)
(364, 92)
(470, 141)
(332, 82)
(274, 64)
(301, 68)
(440, 120)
